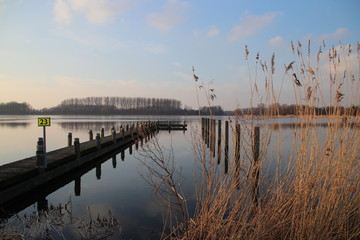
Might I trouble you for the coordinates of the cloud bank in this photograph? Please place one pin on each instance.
(95, 11)
(251, 25)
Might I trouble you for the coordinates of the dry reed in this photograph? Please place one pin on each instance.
(316, 196)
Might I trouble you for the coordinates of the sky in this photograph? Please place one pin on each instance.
(51, 50)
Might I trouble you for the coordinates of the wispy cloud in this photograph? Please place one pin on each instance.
(157, 49)
(337, 35)
(173, 13)
(177, 64)
(62, 12)
(95, 11)
(2, 4)
(276, 41)
(213, 31)
(92, 40)
(184, 76)
(250, 25)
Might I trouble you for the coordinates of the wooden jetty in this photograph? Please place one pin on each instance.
(19, 177)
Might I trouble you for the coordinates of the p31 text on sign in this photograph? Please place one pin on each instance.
(44, 122)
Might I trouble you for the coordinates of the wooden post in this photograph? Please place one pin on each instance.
(237, 142)
(102, 132)
(40, 154)
(219, 141)
(69, 139)
(122, 155)
(113, 133)
(98, 141)
(202, 128)
(130, 149)
(237, 155)
(255, 174)
(91, 137)
(42, 204)
(211, 135)
(77, 188)
(226, 146)
(114, 161)
(77, 148)
(213, 140)
(122, 133)
(98, 172)
(208, 132)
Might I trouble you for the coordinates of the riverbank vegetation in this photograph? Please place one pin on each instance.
(309, 193)
(148, 106)
(112, 106)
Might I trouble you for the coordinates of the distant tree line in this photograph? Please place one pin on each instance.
(15, 108)
(164, 106)
(292, 109)
(116, 105)
(113, 105)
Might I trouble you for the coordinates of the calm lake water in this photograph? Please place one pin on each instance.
(115, 185)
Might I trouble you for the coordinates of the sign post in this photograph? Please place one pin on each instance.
(44, 122)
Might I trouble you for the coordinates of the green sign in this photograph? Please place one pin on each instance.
(44, 122)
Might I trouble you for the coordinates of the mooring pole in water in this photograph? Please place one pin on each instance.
(122, 155)
(42, 204)
(132, 129)
(91, 137)
(98, 172)
(69, 139)
(213, 136)
(122, 133)
(98, 141)
(130, 149)
(113, 133)
(77, 187)
(219, 141)
(40, 153)
(255, 174)
(208, 132)
(202, 128)
(102, 132)
(114, 161)
(77, 148)
(237, 142)
(226, 151)
(237, 155)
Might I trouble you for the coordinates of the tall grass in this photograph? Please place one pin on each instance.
(316, 196)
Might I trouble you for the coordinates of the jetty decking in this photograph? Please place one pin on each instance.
(22, 176)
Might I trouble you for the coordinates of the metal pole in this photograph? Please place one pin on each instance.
(45, 158)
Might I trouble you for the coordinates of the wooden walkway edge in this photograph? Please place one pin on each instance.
(20, 177)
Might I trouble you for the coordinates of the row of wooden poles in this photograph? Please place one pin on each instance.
(143, 129)
(208, 132)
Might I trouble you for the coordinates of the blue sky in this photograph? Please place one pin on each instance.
(58, 49)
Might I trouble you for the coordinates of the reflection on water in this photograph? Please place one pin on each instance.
(14, 124)
(276, 126)
(96, 126)
(111, 184)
